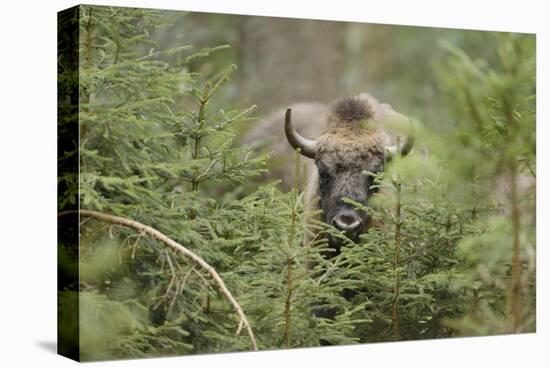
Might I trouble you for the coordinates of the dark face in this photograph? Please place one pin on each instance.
(339, 180)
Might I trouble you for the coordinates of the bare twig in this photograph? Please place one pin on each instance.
(179, 248)
(170, 284)
(135, 245)
(179, 287)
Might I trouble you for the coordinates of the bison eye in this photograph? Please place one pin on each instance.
(323, 169)
(324, 177)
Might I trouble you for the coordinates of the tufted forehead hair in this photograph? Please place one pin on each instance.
(351, 110)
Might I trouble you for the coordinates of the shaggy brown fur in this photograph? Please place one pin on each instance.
(350, 139)
(351, 145)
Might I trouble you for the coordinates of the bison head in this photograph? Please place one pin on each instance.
(343, 154)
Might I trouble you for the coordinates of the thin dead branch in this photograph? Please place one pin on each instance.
(179, 248)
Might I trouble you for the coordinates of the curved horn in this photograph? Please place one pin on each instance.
(307, 147)
(406, 148)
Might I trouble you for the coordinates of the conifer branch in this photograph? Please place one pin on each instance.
(142, 228)
(224, 78)
(237, 117)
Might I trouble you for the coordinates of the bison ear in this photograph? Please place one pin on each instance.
(308, 147)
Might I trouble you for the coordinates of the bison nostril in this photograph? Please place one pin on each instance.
(347, 221)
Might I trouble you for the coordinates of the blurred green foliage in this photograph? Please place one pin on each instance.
(454, 253)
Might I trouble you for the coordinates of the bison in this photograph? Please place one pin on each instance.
(346, 140)
(352, 144)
